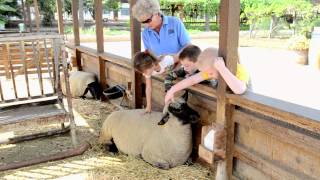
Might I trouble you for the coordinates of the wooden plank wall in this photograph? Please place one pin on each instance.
(266, 147)
(274, 149)
(116, 70)
(265, 140)
(16, 57)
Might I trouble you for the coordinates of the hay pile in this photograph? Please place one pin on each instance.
(95, 163)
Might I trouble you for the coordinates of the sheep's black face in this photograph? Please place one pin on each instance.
(95, 90)
(184, 113)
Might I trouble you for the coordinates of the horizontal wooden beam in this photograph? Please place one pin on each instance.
(197, 89)
(88, 51)
(109, 57)
(26, 37)
(284, 134)
(39, 121)
(61, 155)
(273, 169)
(26, 100)
(117, 60)
(303, 117)
(30, 137)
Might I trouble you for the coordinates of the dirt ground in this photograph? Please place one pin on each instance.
(95, 163)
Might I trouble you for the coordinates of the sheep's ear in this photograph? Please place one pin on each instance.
(185, 96)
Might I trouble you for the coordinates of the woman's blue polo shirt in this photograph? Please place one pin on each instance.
(172, 37)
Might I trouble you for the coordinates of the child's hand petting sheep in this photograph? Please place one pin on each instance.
(169, 96)
(147, 110)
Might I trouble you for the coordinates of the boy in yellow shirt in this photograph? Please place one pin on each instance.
(210, 67)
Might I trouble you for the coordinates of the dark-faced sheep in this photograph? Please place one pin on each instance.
(81, 83)
(140, 135)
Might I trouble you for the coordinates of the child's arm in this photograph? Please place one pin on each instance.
(195, 79)
(148, 94)
(171, 76)
(236, 85)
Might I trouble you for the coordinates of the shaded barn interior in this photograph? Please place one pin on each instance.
(266, 138)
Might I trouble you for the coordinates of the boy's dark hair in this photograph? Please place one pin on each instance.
(192, 52)
(144, 60)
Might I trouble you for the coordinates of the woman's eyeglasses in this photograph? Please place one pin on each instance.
(148, 20)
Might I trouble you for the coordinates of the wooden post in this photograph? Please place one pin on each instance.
(99, 25)
(60, 16)
(102, 73)
(76, 35)
(38, 62)
(228, 49)
(100, 40)
(29, 17)
(24, 59)
(37, 14)
(78, 58)
(5, 57)
(69, 99)
(1, 92)
(12, 72)
(135, 29)
(24, 13)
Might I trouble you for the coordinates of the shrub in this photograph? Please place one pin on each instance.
(299, 43)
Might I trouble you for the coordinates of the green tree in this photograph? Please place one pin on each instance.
(7, 8)
(47, 9)
(112, 5)
(192, 8)
(303, 16)
(67, 6)
(254, 11)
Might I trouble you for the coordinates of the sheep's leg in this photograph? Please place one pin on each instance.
(154, 159)
(189, 162)
(162, 165)
(159, 163)
(84, 94)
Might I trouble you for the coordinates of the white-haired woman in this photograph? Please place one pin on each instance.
(163, 35)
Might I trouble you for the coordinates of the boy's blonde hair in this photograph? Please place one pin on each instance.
(207, 58)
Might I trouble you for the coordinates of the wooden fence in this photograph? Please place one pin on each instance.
(272, 139)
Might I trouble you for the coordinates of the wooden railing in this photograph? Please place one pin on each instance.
(272, 138)
(32, 57)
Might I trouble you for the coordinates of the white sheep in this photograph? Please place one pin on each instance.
(136, 134)
(80, 83)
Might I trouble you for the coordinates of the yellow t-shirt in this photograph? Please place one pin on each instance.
(242, 74)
